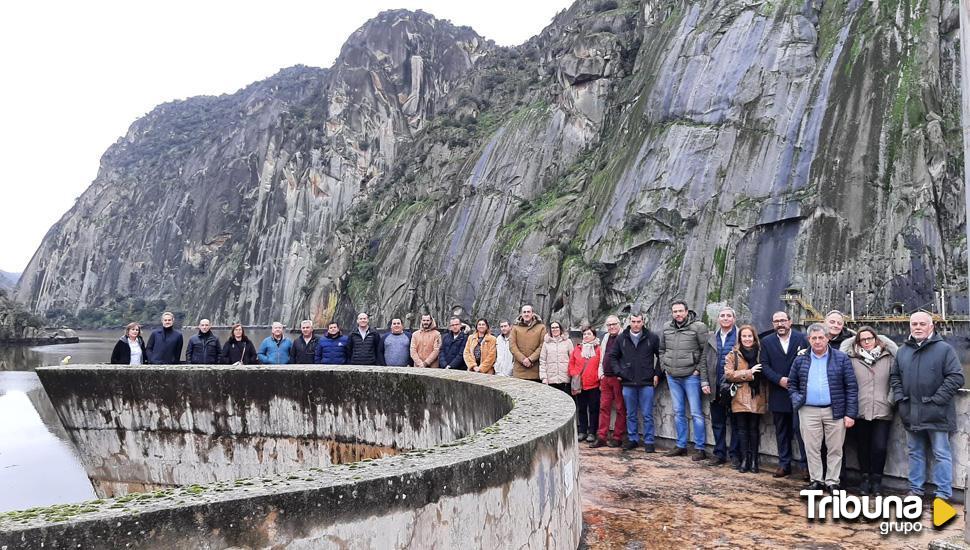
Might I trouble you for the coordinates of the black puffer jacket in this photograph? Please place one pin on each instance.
(301, 352)
(636, 365)
(924, 379)
(203, 349)
(365, 351)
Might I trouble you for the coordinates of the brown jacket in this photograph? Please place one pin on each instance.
(526, 341)
(873, 379)
(737, 370)
(489, 353)
(425, 345)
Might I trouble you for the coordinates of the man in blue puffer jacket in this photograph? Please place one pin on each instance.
(275, 349)
(332, 348)
(824, 393)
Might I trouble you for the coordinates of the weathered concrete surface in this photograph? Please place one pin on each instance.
(510, 480)
(636, 500)
(125, 462)
(896, 464)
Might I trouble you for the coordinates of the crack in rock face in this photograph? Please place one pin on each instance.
(629, 153)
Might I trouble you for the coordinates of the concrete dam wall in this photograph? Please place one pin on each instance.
(310, 456)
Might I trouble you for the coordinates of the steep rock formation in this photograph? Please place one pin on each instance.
(631, 153)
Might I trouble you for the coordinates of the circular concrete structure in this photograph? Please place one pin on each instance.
(469, 460)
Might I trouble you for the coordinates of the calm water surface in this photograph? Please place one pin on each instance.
(39, 465)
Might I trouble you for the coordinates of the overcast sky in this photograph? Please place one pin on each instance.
(77, 74)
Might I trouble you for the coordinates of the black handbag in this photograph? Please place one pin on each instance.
(726, 390)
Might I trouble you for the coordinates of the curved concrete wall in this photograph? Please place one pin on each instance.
(484, 460)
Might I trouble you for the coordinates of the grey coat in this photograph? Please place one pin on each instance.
(925, 378)
(874, 393)
(682, 349)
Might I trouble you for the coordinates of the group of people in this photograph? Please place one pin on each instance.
(821, 388)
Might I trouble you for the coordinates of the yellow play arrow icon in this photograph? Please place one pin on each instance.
(942, 512)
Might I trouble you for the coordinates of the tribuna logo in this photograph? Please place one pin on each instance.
(897, 514)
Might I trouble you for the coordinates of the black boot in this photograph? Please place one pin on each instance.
(745, 464)
(875, 484)
(753, 449)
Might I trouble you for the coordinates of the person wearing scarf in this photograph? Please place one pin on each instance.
(584, 362)
(743, 368)
(872, 357)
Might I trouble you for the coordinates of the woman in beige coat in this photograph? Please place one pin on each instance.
(554, 359)
(750, 401)
(872, 356)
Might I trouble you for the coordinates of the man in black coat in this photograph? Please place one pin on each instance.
(304, 347)
(165, 344)
(204, 348)
(778, 352)
(635, 358)
(925, 378)
(364, 345)
(452, 355)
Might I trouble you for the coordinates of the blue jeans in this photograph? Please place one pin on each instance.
(687, 390)
(639, 398)
(942, 461)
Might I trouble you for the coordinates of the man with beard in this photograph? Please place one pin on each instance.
(397, 346)
(779, 350)
(426, 343)
(332, 348)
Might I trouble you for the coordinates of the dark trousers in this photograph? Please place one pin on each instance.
(748, 434)
(871, 438)
(588, 411)
(611, 396)
(786, 428)
(720, 418)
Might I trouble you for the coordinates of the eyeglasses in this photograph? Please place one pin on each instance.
(779, 321)
(869, 339)
(612, 324)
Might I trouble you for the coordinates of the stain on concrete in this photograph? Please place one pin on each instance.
(508, 452)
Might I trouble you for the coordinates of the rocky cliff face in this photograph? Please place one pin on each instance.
(631, 153)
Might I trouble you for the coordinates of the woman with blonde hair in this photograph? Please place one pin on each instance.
(749, 389)
(130, 349)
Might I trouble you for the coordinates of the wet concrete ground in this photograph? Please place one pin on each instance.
(636, 500)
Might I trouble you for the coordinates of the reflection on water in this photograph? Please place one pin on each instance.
(38, 463)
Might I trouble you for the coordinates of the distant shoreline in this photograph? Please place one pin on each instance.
(39, 341)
